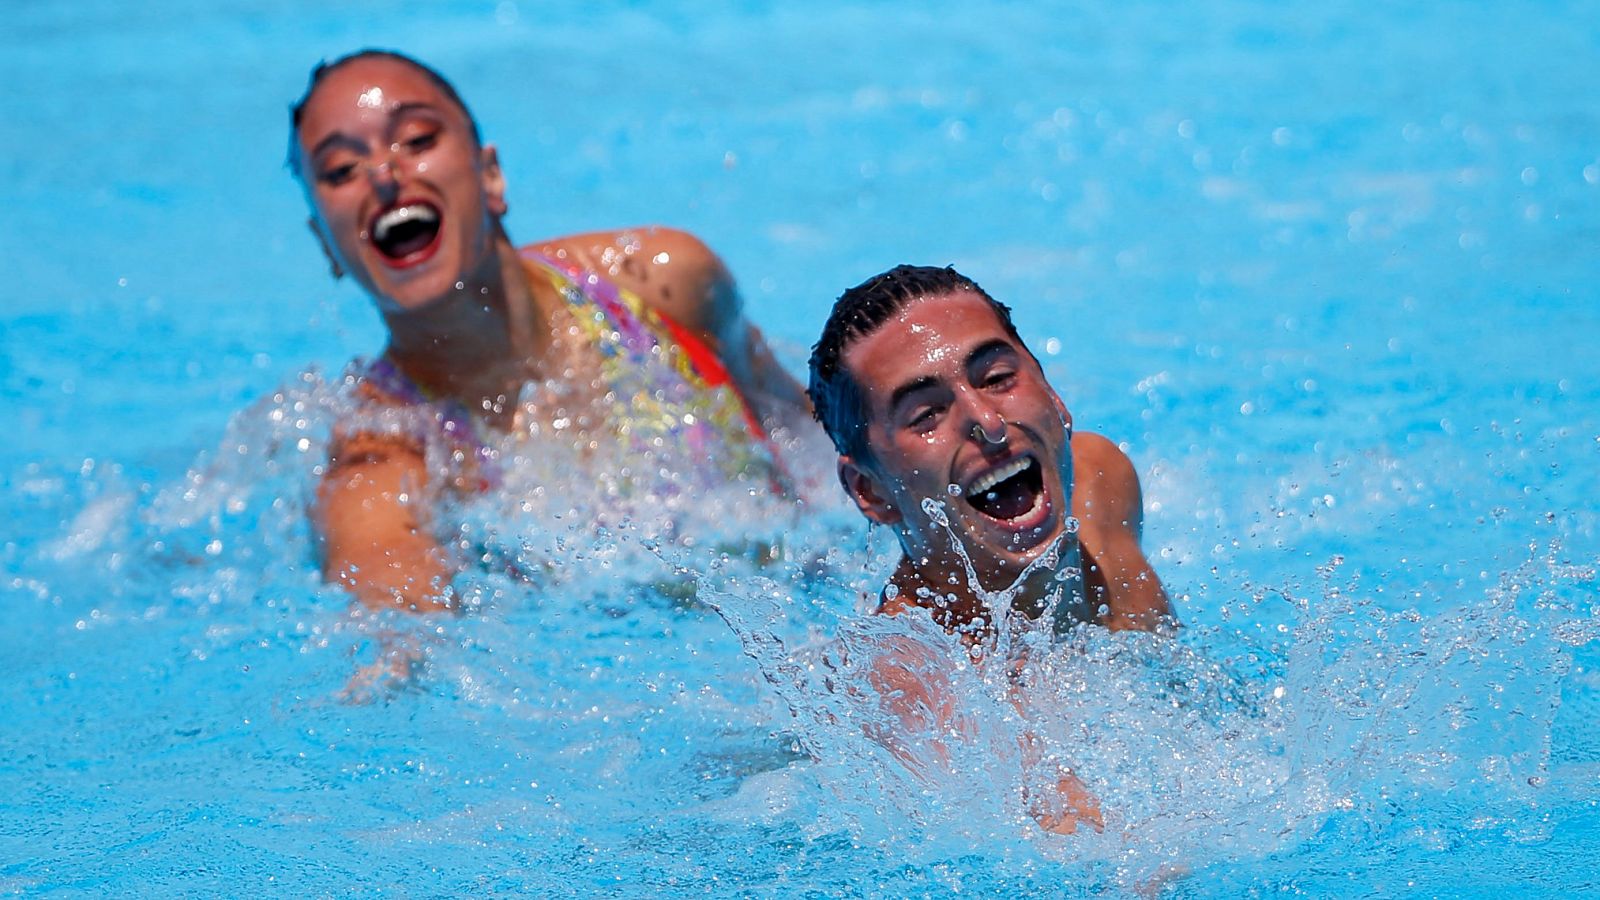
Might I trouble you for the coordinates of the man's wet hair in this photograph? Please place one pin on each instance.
(325, 68)
(836, 399)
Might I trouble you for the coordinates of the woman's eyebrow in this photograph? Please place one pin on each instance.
(336, 139)
(396, 113)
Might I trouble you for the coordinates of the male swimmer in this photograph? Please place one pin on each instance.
(948, 433)
(407, 200)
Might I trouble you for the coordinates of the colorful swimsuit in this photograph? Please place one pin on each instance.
(663, 386)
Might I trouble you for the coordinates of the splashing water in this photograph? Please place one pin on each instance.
(1011, 628)
(1259, 242)
(1311, 719)
(1201, 747)
(570, 516)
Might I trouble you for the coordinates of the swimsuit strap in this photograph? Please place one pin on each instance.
(382, 382)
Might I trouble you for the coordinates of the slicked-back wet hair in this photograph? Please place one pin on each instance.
(836, 398)
(325, 68)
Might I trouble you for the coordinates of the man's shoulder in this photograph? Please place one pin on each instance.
(1096, 455)
(1106, 490)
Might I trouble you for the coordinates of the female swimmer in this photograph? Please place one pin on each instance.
(407, 200)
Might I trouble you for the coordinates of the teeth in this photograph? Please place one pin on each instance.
(1010, 469)
(401, 214)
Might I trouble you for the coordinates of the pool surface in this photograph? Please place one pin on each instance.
(1328, 272)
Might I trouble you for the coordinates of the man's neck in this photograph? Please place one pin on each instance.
(945, 587)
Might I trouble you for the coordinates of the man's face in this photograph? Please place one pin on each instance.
(403, 198)
(952, 399)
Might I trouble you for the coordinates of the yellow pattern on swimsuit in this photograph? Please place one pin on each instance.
(665, 389)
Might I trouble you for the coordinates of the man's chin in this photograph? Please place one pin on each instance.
(1000, 554)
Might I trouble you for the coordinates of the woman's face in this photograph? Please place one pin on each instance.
(402, 196)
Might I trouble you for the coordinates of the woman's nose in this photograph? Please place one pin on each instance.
(383, 175)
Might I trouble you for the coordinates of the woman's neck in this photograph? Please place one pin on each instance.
(479, 344)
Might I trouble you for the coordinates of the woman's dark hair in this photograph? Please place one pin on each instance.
(835, 397)
(325, 68)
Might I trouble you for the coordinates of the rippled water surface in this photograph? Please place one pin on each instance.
(1328, 273)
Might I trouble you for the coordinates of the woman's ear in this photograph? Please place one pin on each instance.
(327, 249)
(494, 181)
(863, 488)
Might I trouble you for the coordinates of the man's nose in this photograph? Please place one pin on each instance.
(986, 425)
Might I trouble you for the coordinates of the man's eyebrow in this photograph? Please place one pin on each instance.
(987, 351)
(909, 388)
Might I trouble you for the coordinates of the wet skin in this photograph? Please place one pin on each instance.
(952, 398)
(378, 136)
(405, 201)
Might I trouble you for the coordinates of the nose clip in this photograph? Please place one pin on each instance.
(981, 435)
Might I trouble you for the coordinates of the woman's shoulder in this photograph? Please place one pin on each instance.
(374, 422)
(672, 271)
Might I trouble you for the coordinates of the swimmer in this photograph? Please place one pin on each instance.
(408, 201)
(929, 394)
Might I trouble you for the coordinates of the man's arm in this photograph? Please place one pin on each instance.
(677, 275)
(1110, 510)
(915, 694)
(368, 517)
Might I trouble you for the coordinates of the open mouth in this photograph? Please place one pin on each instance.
(405, 231)
(1012, 493)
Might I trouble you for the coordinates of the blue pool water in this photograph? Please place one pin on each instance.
(1328, 272)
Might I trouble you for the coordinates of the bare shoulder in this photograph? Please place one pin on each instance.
(1104, 463)
(603, 247)
(1106, 490)
(671, 270)
(1110, 508)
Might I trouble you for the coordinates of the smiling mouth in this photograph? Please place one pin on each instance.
(405, 231)
(1012, 494)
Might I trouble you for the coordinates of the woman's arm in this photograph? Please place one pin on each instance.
(369, 518)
